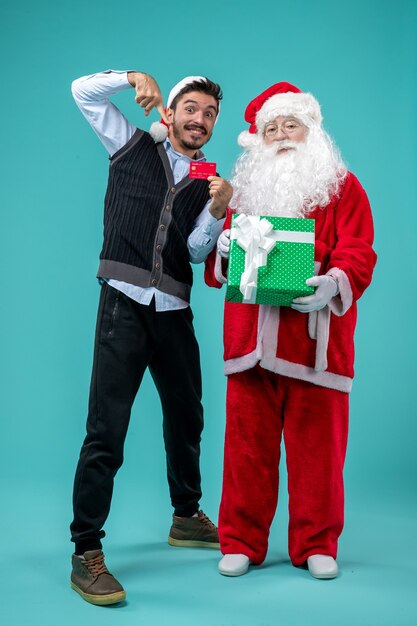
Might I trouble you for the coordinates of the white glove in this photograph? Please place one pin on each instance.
(223, 244)
(327, 288)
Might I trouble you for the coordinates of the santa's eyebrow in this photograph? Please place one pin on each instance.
(290, 118)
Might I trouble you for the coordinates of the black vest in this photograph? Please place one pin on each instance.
(147, 219)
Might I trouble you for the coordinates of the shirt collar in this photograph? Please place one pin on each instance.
(198, 157)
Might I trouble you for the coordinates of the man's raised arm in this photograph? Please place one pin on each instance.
(92, 93)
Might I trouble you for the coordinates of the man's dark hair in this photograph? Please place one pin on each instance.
(205, 86)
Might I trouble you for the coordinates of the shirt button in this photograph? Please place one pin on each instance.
(159, 247)
(154, 281)
(162, 227)
(158, 266)
(168, 208)
(173, 189)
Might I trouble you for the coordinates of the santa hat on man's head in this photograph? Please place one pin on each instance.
(279, 99)
(159, 130)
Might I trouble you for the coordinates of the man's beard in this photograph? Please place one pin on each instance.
(289, 184)
(196, 142)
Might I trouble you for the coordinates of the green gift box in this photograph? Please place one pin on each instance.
(270, 259)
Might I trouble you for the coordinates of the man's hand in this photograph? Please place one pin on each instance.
(223, 244)
(221, 192)
(148, 94)
(327, 288)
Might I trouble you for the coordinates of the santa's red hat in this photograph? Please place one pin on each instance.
(279, 99)
(159, 130)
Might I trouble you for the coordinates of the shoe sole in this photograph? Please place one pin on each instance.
(324, 576)
(235, 573)
(111, 598)
(184, 543)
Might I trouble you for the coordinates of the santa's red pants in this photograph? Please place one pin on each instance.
(261, 406)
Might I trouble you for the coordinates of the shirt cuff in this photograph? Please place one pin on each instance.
(212, 226)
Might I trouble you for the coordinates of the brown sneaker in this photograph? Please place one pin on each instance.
(93, 581)
(193, 532)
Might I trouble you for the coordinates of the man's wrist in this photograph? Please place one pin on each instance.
(133, 77)
(217, 213)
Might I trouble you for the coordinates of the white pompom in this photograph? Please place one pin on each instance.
(247, 139)
(158, 132)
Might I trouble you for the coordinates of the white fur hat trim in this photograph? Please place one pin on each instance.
(158, 132)
(247, 139)
(302, 105)
(183, 83)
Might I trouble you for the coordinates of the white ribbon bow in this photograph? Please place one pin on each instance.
(257, 237)
(251, 233)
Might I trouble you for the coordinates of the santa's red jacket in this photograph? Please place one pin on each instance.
(316, 347)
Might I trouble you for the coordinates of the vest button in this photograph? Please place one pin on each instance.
(159, 247)
(168, 208)
(162, 227)
(173, 189)
(158, 266)
(154, 281)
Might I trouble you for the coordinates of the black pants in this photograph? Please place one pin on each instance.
(129, 338)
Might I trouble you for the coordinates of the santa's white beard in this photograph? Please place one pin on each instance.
(289, 184)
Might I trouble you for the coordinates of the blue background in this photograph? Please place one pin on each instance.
(359, 60)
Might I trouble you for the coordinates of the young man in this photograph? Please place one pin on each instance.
(290, 369)
(156, 219)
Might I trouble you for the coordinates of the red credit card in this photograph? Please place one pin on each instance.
(202, 169)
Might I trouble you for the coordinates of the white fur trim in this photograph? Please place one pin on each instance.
(241, 363)
(268, 325)
(292, 370)
(343, 301)
(319, 331)
(301, 105)
(319, 323)
(302, 372)
(267, 345)
(312, 325)
(247, 139)
(322, 341)
(182, 83)
(158, 132)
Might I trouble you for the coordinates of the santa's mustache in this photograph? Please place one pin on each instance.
(285, 144)
(272, 149)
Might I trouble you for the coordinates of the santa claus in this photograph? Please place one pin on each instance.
(290, 369)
